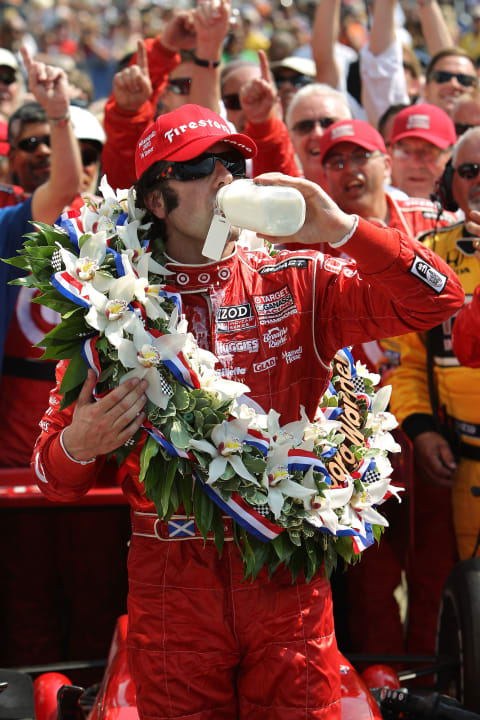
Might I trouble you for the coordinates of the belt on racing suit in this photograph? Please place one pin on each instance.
(470, 430)
(178, 527)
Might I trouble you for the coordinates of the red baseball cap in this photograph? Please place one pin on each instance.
(185, 133)
(358, 132)
(427, 122)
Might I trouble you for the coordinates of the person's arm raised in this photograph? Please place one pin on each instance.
(211, 21)
(50, 88)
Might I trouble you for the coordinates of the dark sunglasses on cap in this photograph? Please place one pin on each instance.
(468, 171)
(7, 78)
(180, 86)
(232, 101)
(90, 156)
(443, 76)
(304, 127)
(460, 128)
(204, 165)
(30, 144)
(297, 81)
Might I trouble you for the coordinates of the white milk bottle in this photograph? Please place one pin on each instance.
(266, 209)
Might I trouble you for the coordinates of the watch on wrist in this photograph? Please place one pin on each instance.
(206, 63)
(60, 121)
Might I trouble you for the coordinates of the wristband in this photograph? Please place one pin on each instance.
(79, 462)
(60, 121)
(346, 237)
(206, 63)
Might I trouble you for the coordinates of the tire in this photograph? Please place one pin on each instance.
(458, 634)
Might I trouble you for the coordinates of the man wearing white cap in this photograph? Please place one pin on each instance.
(91, 137)
(11, 84)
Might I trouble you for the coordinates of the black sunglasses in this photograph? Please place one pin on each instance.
(31, 144)
(460, 128)
(204, 165)
(295, 80)
(7, 78)
(304, 127)
(90, 156)
(232, 101)
(180, 86)
(468, 171)
(443, 76)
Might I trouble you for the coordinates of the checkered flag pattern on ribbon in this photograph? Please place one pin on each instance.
(166, 388)
(371, 476)
(57, 261)
(358, 384)
(263, 510)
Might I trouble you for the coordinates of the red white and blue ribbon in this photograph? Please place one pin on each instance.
(257, 440)
(182, 371)
(70, 287)
(360, 541)
(70, 222)
(244, 514)
(303, 460)
(171, 449)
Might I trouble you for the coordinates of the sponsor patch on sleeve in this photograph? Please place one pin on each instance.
(428, 274)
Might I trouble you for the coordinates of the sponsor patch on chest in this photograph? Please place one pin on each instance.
(233, 318)
(275, 306)
(428, 274)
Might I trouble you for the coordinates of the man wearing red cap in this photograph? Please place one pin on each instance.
(357, 166)
(421, 143)
(202, 643)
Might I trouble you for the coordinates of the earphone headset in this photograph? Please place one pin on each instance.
(443, 189)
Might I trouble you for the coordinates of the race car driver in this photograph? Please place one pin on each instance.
(201, 642)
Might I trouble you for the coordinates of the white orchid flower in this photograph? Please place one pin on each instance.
(322, 509)
(381, 399)
(226, 389)
(141, 260)
(277, 480)
(84, 267)
(364, 372)
(110, 314)
(145, 354)
(292, 434)
(384, 441)
(226, 449)
(362, 502)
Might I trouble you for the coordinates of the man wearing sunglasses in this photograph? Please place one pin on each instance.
(266, 649)
(159, 79)
(447, 459)
(449, 73)
(290, 75)
(11, 84)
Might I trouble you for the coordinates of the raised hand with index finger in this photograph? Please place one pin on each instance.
(258, 97)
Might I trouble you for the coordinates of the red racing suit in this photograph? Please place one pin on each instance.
(203, 644)
(466, 333)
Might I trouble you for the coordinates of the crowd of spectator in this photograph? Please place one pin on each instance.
(379, 104)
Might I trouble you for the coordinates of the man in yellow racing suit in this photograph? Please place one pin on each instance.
(455, 389)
